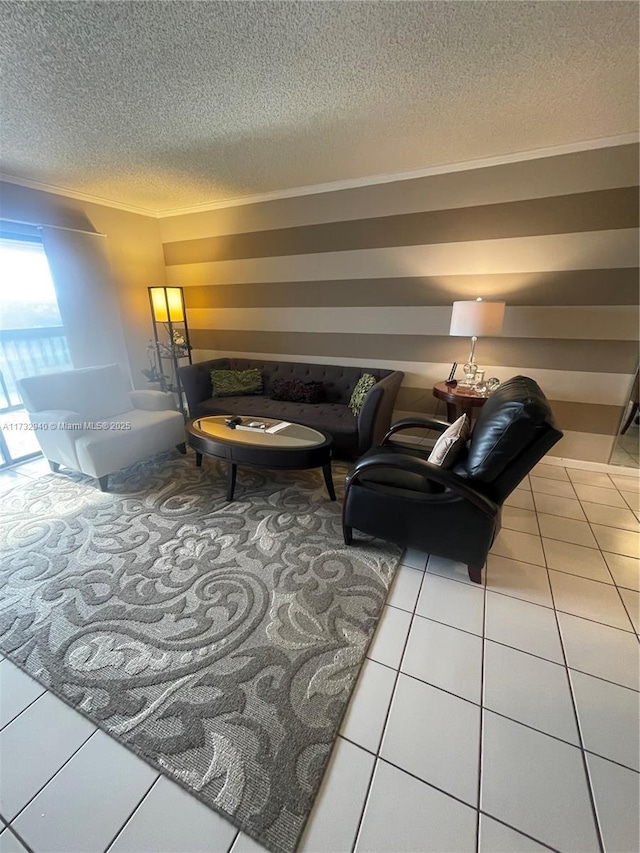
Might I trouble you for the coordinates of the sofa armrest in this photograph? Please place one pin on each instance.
(196, 381)
(152, 401)
(57, 431)
(375, 415)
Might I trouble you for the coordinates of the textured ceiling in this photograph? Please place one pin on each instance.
(170, 104)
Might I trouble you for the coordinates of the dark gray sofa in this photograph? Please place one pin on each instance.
(352, 436)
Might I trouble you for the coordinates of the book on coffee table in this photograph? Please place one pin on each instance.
(253, 426)
(279, 426)
(261, 426)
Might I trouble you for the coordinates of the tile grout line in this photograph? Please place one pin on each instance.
(466, 804)
(524, 651)
(429, 784)
(519, 831)
(506, 716)
(27, 847)
(477, 809)
(135, 809)
(398, 672)
(64, 764)
(462, 802)
(580, 737)
(26, 707)
(480, 730)
(235, 838)
(387, 715)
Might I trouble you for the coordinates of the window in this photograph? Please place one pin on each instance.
(27, 295)
(32, 339)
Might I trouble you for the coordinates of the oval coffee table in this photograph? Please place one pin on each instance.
(295, 447)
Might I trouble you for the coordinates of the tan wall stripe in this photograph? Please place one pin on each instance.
(583, 417)
(590, 211)
(585, 250)
(565, 287)
(586, 322)
(580, 171)
(590, 447)
(611, 389)
(367, 276)
(596, 356)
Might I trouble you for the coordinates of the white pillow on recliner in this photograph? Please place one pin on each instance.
(449, 446)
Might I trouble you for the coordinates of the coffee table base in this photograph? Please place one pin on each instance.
(232, 470)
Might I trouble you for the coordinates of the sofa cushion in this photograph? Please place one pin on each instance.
(338, 380)
(101, 451)
(360, 391)
(229, 383)
(328, 417)
(297, 391)
(512, 419)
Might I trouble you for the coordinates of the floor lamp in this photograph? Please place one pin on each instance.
(169, 316)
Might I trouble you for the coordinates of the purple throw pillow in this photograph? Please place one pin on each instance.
(297, 391)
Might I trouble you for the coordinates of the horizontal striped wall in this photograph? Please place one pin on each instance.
(367, 276)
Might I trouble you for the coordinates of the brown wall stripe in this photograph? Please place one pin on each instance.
(601, 210)
(567, 287)
(579, 417)
(564, 174)
(312, 263)
(552, 354)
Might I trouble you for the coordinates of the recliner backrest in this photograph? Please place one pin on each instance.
(514, 430)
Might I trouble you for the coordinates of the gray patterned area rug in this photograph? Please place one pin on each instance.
(220, 642)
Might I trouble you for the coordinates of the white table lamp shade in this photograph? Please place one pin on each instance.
(475, 318)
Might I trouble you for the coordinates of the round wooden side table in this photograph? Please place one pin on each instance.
(459, 400)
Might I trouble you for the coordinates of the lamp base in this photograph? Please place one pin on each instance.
(470, 370)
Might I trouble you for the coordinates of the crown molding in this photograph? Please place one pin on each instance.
(354, 183)
(79, 196)
(334, 186)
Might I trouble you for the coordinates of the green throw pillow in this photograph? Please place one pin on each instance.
(363, 386)
(231, 383)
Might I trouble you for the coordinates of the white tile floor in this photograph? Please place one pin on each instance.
(501, 718)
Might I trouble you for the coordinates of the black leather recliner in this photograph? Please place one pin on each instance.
(395, 494)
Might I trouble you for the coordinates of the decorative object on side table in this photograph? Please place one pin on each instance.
(460, 399)
(171, 339)
(474, 319)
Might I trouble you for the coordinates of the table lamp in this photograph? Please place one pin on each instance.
(476, 319)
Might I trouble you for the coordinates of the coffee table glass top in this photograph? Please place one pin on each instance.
(293, 435)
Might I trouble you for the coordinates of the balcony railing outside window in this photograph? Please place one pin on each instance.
(29, 352)
(32, 338)
(25, 352)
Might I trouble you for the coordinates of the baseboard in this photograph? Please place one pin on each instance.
(602, 467)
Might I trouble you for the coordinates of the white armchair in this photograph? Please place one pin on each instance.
(88, 420)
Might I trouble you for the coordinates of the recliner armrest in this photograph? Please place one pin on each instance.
(152, 401)
(415, 423)
(428, 471)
